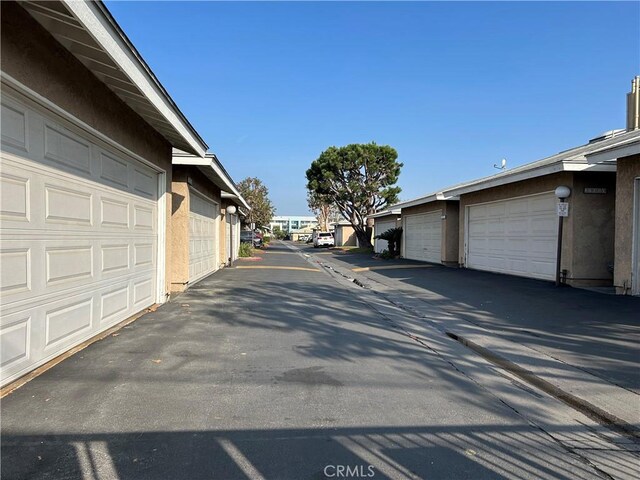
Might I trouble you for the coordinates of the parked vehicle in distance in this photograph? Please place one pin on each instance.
(324, 239)
(247, 236)
(303, 238)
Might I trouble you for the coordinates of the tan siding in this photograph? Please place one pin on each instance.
(182, 175)
(593, 224)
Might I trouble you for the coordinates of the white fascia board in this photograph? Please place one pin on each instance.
(614, 153)
(239, 199)
(213, 164)
(100, 27)
(385, 213)
(529, 174)
(418, 201)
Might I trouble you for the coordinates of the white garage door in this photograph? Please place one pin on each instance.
(203, 236)
(423, 237)
(381, 227)
(79, 238)
(517, 236)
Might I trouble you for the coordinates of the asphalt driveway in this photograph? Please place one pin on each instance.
(592, 331)
(270, 372)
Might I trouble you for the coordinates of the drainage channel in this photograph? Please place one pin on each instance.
(593, 412)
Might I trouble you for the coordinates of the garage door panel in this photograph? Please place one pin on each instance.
(423, 234)
(495, 226)
(14, 197)
(113, 171)
(543, 248)
(516, 207)
(142, 292)
(520, 242)
(517, 246)
(114, 214)
(495, 211)
(544, 226)
(14, 125)
(15, 274)
(68, 264)
(67, 150)
(79, 231)
(542, 205)
(202, 237)
(14, 338)
(113, 303)
(517, 227)
(62, 324)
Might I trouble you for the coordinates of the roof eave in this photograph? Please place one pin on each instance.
(103, 36)
(614, 152)
(211, 167)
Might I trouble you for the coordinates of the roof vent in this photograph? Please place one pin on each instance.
(607, 134)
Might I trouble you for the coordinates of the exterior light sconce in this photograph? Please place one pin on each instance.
(562, 192)
(231, 209)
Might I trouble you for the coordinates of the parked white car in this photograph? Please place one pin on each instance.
(324, 239)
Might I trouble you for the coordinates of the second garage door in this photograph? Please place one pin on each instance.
(516, 236)
(203, 235)
(381, 227)
(423, 237)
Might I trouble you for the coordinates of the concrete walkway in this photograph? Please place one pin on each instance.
(582, 343)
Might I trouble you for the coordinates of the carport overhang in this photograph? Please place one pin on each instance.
(211, 167)
(432, 197)
(91, 34)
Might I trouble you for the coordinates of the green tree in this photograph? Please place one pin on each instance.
(278, 233)
(359, 179)
(257, 196)
(325, 211)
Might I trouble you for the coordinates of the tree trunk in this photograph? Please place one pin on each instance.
(364, 237)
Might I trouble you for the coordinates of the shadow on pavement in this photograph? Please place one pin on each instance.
(445, 452)
(592, 331)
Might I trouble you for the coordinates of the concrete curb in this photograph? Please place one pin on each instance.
(583, 406)
(589, 409)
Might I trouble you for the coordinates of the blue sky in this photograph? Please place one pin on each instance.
(454, 87)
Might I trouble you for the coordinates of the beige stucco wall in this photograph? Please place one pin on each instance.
(182, 176)
(628, 169)
(593, 229)
(587, 246)
(29, 54)
(349, 238)
(449, 209)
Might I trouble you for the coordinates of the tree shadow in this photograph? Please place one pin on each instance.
(592, 331)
